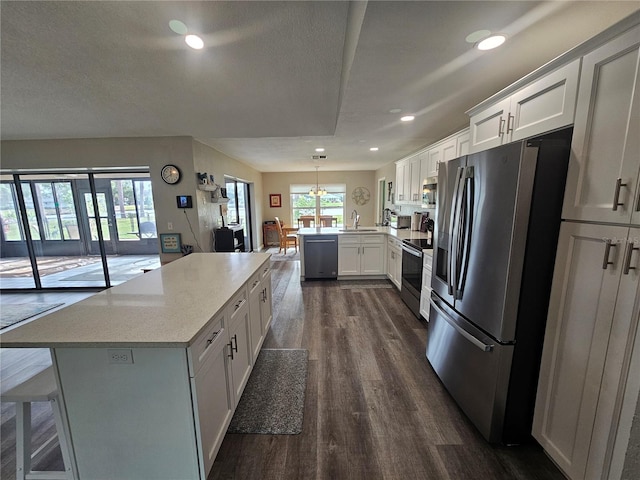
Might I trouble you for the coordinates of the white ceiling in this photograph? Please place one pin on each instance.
(276, 79)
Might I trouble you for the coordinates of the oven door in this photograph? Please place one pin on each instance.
(412, 270)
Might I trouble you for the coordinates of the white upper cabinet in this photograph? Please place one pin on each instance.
(464, 143)
(408, 189)
(544, 105)
(412, 172)
(605, 160)
(400, 182)
(415, 181)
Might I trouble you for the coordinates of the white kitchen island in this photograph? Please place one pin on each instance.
(149, 372)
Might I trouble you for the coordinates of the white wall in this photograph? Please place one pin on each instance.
(213, 162)
(279, 182)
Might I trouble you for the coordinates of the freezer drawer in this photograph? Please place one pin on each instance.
(472, 366)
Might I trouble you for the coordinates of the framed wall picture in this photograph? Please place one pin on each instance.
(275, 200)
(170, 243)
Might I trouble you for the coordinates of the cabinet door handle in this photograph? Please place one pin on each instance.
(213, 337)
(230, 345)
(616, 194)
(501, 127)
(510, 123)
(627, 257)
(234, 349)
(607, 250)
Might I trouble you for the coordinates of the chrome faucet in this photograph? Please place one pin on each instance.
(356, 218)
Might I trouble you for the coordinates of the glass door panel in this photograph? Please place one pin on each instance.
(15, 266)
(104, 216)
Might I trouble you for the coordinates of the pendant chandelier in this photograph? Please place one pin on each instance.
(318, 191)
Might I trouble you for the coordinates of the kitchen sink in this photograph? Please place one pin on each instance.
(358, 230)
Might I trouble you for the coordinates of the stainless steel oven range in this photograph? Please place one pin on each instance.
(412, 272)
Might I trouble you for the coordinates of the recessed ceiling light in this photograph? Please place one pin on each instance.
(374, 149)
(194, 42)
(319, 149)
(395, 110)
(491, 42)
(407, 118)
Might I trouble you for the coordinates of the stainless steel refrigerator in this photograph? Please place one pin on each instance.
(497, 224)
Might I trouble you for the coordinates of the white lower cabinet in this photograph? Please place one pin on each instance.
(259, 309)
(394, 261)
(239, 347)
(266, 307)
(212, 402)
(592, 320)
(255, 314)
(361, 254)
(425, 294)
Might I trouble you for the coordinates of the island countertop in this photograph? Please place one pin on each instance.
(400, 234)
(166, 307)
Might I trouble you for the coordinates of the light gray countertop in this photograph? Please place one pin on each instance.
(400, 234)
(166, 307)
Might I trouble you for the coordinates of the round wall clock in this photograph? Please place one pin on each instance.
(360, 195)
(171, 174)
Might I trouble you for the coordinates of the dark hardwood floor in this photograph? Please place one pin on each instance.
(374, 409)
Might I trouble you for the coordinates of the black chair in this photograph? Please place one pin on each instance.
(147, 229)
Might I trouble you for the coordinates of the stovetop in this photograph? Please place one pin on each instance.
(418, 243)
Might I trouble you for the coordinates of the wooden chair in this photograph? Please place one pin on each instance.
(286, 238)
(306, 221)
(328, 221)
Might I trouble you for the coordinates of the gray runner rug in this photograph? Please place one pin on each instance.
(273, 400)
(14, 313)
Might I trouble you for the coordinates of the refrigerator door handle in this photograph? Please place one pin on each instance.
(477, 343)
(452, 264)
(466, 221)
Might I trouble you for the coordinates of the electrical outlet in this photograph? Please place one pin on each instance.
(120, 356)
(170, 226)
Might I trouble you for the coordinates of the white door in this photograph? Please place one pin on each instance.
(214, 404)
(603, 169)
(349, 259)
(372, 259)
(489, 126)
(255, 315)
(545, 105)
(266, 305)
(579, 324)
(239, 351)
(624, 323)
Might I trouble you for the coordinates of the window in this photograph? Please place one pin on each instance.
(332, 203)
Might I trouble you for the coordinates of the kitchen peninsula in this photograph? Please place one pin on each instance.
(361, 252)
(149, 372)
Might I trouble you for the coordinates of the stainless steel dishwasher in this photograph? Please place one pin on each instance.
(320, 256)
